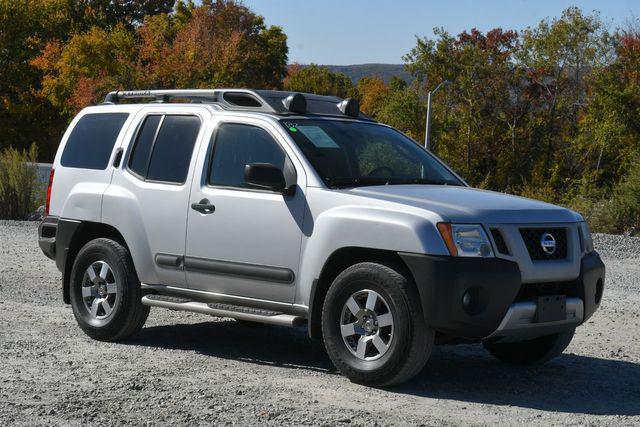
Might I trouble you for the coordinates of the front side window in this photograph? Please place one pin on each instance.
(351, 154)
(92, 139)
(163, 148)
(236, 146)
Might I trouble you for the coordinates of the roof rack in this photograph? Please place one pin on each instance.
(266, 101)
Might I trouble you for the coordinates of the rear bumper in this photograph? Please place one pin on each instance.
(55, 236)
(47, 233)
(481, 298)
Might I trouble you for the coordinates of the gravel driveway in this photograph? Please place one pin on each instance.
(198, 370)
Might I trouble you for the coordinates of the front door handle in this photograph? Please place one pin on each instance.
(203, 206)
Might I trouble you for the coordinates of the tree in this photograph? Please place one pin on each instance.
(220, 44)
(608, 144)
(25, 117)
(372, 92)
(217, 44)
(110, 13)
(31, 27)
(559, 54)
(467, 129)
(78, 73)
(319, 80)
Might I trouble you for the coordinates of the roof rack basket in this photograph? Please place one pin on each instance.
(265, 101)
(229, 99)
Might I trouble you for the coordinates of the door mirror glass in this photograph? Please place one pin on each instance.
(265, 176)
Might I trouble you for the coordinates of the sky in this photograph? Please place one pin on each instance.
(344, 32)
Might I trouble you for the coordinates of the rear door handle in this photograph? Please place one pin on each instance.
(204, 207)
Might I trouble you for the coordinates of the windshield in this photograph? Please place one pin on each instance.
(352, 154)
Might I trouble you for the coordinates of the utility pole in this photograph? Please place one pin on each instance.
(428, 127)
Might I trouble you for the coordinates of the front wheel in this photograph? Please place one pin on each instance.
(373, 327)
(537, 350)
(105, 291)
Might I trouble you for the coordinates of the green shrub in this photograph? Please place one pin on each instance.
(626, 201)
(615, 211)
(20, 191)
(544, 193)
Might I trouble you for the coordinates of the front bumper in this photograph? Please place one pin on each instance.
(481, 298)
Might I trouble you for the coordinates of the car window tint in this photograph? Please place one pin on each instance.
(92, 139)
(173, 148)
(139, 160)
(238, 145)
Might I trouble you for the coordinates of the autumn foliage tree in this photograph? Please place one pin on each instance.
(217, 44)
(319, 80)
(550, 111)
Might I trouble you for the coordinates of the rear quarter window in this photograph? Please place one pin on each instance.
(92, 139)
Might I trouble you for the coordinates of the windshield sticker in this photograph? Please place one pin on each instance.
(318, 137)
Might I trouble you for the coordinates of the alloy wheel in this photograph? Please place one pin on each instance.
(99, 290)
(366, 325)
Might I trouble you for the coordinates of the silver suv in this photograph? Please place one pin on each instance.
(294, 209)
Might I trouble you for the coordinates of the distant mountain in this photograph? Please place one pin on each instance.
(384, 71)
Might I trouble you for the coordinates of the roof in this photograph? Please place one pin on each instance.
(281, 103)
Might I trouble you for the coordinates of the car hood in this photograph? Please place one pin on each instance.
(466, 204)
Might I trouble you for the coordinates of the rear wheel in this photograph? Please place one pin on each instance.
(373, 327)
(105, 291)
(537, 350)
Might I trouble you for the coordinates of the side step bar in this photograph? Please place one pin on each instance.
(223, 310)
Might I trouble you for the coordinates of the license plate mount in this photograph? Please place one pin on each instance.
(551, 308)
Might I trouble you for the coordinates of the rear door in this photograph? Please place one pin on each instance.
(147, 200)
(248, 244)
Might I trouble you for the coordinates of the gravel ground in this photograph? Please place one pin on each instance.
(197, 370)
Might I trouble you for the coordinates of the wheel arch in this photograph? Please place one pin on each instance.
(337, 262)
(82, 234)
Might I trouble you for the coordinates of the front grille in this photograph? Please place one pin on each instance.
(532, 238)
(530, 291)
(501, 245)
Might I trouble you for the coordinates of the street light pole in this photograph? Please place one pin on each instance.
(428, 126)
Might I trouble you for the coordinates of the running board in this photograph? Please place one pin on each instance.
(223, 310)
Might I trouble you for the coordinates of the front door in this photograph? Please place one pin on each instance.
(247, 242)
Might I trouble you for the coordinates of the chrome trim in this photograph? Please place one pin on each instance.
(519, 322)
(296, 309)
(200, 307)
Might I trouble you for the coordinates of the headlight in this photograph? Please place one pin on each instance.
(467, 240)
(586, 237)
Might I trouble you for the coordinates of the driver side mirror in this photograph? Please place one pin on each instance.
(265, 176)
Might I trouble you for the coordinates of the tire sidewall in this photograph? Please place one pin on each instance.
(100, 250)
(345, 286)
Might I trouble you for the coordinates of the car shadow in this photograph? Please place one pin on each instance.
(465, 373)
(261, 344)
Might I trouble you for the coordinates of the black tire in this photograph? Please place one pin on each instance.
(411, 340)
(127, 315)
(534, 351)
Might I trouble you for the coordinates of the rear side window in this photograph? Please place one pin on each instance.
(92, 139)
(163, 148)
(142, 148)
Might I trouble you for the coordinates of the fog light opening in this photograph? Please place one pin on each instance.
(471, 300)
(599, 290)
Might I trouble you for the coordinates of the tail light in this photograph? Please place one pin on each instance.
(48, 202)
